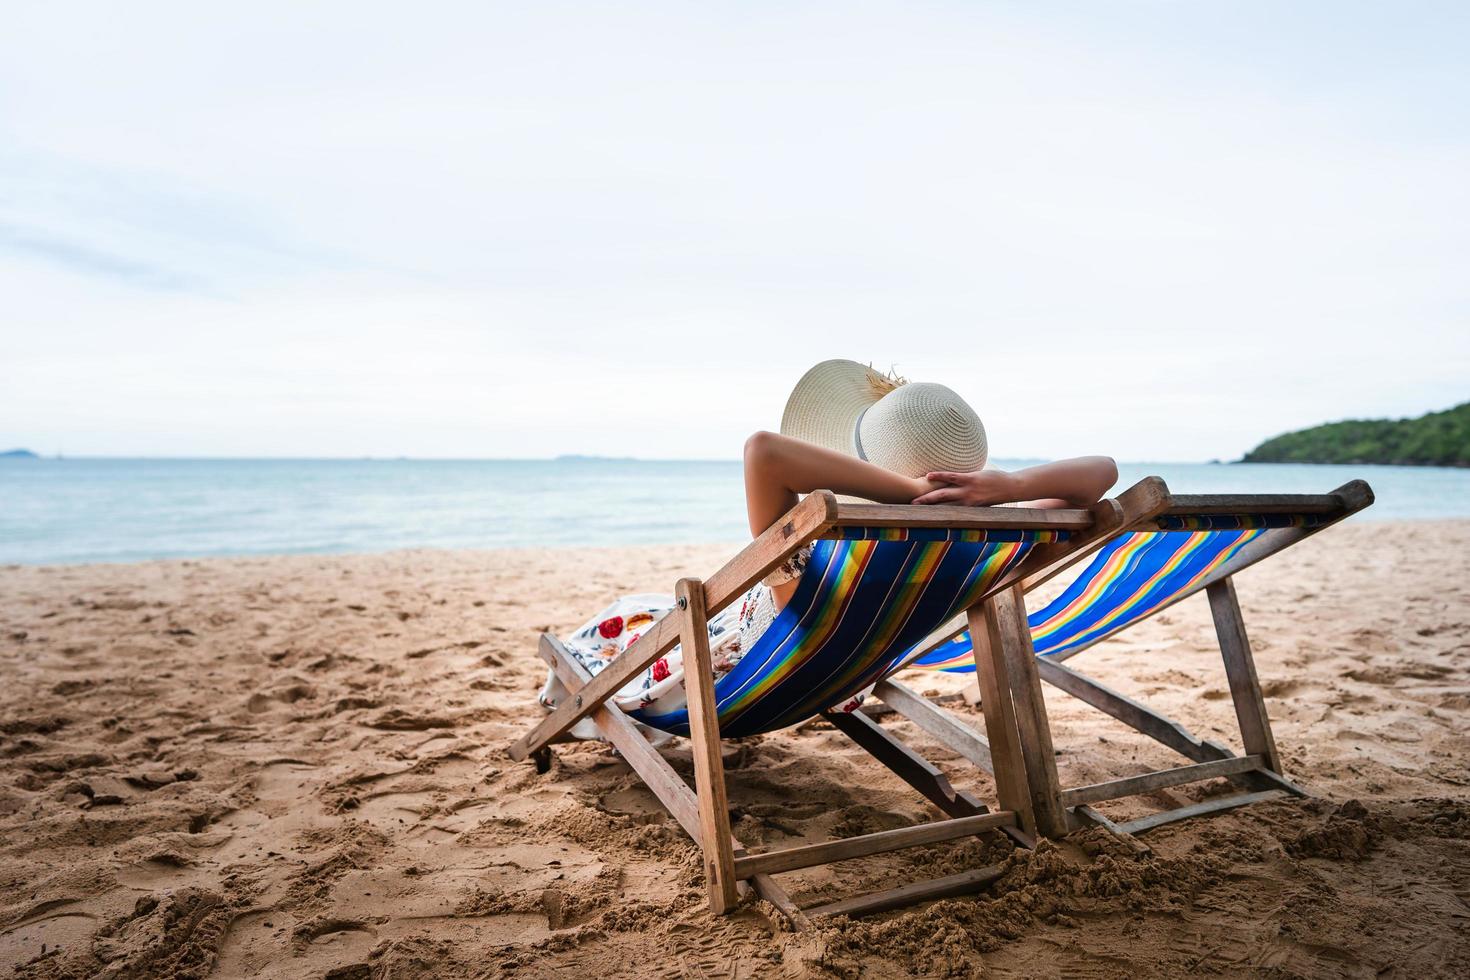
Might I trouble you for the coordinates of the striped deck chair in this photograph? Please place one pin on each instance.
(1191, 544)
(881, 580)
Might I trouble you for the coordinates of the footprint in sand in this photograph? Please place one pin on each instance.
(263, 701)
(325, 929)
(1281, 688)
(283, 780)
(43, 935)
(398, 720)
(262, 942)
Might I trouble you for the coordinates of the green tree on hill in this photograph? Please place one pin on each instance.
(1436, 439)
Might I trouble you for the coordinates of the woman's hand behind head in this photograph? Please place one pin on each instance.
(1079, 482)
(980, 488)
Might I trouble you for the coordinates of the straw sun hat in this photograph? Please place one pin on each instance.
(909, 428)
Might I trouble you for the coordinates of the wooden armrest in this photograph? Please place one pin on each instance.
(959, 516)
(1351, 496)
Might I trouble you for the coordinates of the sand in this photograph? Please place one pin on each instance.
(295, 767)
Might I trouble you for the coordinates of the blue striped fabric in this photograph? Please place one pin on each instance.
(1130, 577)
(860, 605)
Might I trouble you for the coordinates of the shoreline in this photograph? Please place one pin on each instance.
(517, 551)
(1363, 518)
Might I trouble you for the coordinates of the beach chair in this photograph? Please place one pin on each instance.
(1194, 543)
(882, 578)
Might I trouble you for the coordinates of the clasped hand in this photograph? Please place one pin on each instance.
(978, 489)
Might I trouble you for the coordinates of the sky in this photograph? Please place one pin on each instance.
(1159, 230)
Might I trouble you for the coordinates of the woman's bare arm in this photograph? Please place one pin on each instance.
(1078, 482)
(778, 468)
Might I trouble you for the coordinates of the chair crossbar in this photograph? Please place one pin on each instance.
(880, 842)
(905, 895)
(905, 763)
(1160, 779)
(1200, 809)
(1135, 715)
(1083, 814)
(942, 726)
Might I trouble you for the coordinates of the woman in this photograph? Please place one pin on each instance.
(860, 434)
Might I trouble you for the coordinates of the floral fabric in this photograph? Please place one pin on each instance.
(604, 637)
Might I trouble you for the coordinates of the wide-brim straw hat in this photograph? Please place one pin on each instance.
(912, 428)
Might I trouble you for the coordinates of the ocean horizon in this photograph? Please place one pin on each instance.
(115, 509)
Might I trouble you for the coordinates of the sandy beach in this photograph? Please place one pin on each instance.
(295, 767)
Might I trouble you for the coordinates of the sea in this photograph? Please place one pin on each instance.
(121, 510)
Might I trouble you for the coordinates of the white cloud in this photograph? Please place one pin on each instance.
(1160, 230)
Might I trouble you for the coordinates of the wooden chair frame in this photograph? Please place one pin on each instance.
(703, 813)
(1002, 638)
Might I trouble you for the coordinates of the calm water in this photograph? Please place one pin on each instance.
(83, 510)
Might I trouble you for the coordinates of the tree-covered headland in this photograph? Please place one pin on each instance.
(1435, 439)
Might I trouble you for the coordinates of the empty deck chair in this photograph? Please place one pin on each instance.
(880, 580)
(1192, 544)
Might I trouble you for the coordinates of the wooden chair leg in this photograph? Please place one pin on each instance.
(1008, 637)
(658, 775)
(704, 733)
(1008, 764)
(1240, 669)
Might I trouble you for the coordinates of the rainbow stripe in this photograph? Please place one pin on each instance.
(1113, 569)
(844, 573)
(971, 535)
(991, 568)
(1239, 522)
(864, 601)
(1132, 577)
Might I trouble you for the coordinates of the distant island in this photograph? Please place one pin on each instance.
(18, 454)
(1435, 439)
